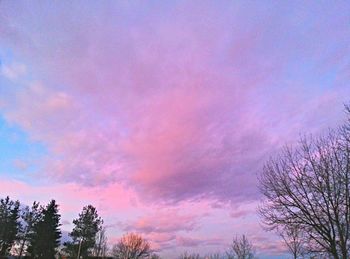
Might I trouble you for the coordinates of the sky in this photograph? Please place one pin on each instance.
(162, 113)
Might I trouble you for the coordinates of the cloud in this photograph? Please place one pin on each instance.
(188, 111)
(243, 210)
(65, 222)
(20, 164)
(164, 222)
(240, 213)
(109, 199)
(193, 242)
(13, 71)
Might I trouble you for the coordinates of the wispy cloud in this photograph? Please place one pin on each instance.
(12, 71)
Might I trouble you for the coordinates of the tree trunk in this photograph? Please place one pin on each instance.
(22, 248)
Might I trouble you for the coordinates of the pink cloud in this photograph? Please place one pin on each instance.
(240, 213)
(193, 242)
(163, 222)
(177, 113)
(244, 210)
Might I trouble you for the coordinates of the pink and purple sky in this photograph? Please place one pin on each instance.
(162, 113)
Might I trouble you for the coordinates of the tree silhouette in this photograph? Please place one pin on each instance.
(132, 246)
(101, 247)
(9, 224)
(308, 187)
(294, 239)
(46, 235)
(29, 216)
(84, 232)
(241, 248)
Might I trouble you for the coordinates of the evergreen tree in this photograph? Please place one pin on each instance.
(84, 232)
(46, 235)
(30, 216)
(9, 224)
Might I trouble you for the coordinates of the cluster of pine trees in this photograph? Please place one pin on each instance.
(35, 231)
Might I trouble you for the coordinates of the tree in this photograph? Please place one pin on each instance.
(29, 216)
(187, 255)
(294, 239)
(84, 232)
(132, 246)
(190, 256)
(101, 247)
(154, 256)
(213, 256)
(46, 235)
(241, 248)
(9, 224)
(309, 187)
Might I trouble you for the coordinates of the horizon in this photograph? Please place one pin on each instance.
(162, 114)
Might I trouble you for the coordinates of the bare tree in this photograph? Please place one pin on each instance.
(132, 246)
(213, 256)
(187, 255)
(154, 256)
(294, 239)
(241, 248)
(309, 187)
(101, 247)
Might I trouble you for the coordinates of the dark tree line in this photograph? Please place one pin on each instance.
(35, 231)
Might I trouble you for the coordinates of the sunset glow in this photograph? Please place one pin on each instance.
(162, 113)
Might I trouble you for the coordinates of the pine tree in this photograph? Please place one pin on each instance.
(29, 216)
(9, 224)
(46, 235)
(84, 232)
